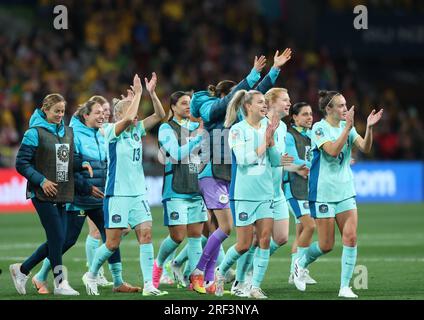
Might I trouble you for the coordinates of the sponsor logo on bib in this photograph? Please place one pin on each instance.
(323, 208)
(223, 198)
(243, 216)
(116, 218)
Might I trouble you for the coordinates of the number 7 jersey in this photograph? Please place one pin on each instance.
(125, 174)
(331, 178)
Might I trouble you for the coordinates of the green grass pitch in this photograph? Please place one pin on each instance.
(390, 246)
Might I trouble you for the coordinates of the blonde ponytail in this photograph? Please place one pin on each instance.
(233, 106)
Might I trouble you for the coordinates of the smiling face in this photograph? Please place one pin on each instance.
(95, 118)
(55, 113)
(281, 104)
(304, 117)
(182, 107)
(337, 109)
(257, 109)
(106, 112)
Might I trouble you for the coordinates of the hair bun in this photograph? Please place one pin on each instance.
(322, 93)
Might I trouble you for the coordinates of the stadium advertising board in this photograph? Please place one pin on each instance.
(374, 182)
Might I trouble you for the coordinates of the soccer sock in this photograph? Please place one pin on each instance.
(166, 248)
(213, 243)
(243, 264)
(221, 255)
(91, 244)
(260, 265)
(231, 256)
(210, 267)
(101, 255)
(182, 256)
(273, 246)
(194, 252)
(348, 264)
(44, 271)
(146, 261)
(293, 259)
(313, 253)
(116, 271)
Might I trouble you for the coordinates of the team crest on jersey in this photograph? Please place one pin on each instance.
(306, 205)
(319, 132)
(223, 198)
(116, 218)
(136, 137)
(175, 215)
(243, 216)
(323, 208)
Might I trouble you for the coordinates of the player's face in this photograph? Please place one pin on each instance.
(282, 104)
(304, 118)
(106, 112)
(55, 113)
(182, 107)
(96, 117)
(339, 109)
(258, 108)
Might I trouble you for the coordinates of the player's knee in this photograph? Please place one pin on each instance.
(146, 236)
(281, 239)
(242, 248)
(326, 247)
(226, 229)
(178, 238)
(309, 227)
(112, 245)
(264, 241)
(95, 234)
(125, 232)
(349, 239)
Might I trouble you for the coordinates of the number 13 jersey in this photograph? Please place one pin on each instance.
(125, 176)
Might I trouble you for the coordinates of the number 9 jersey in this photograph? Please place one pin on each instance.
(125, 174)
(331, 178)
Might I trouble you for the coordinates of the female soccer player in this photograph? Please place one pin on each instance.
(125, 202)
(184, 210)
(251, 192)
(46, 159)
(331, 185)
(214, 180)
(298, 143)
(90, 146)
(92, 241)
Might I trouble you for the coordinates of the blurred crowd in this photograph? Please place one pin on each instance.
(189, 44)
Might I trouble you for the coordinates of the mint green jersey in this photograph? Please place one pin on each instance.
(330, 178)
(125, 176)
(277, 172)
(251, 175)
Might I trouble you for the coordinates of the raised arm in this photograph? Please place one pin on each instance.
(216, 109)
(269, 80)
(334, 148)
(365, 144)
(168, 143)
(132, 110)
(159, 114)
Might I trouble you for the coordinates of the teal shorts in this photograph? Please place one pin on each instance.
(298, 208)
(320, 210)
(281, 210)
(123, 211)
(184, 211)
(246, 213)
